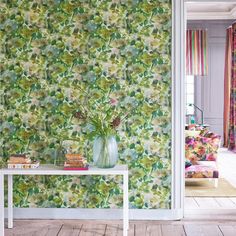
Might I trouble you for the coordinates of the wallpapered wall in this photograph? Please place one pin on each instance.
(53, 50)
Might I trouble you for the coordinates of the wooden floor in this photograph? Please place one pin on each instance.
(203, 217)
(210, 203)
(114, 228)
(207, 208)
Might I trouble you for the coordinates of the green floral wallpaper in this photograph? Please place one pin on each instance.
(52, 51)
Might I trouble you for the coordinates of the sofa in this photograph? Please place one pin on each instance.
(201, 148)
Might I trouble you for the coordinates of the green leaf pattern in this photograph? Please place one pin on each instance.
(53, 50)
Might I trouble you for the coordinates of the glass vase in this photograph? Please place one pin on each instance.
(59, 157)
(105, 151)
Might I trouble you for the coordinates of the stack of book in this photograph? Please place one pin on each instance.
(75, 162)
(21, 161)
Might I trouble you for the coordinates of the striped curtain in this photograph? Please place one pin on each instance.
(196, 52)
(232, 116)
(227, 83)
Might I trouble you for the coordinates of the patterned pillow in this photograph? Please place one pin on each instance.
(202, 148)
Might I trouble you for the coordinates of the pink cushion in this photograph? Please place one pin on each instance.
(204, 169)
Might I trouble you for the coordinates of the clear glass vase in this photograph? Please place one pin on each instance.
(59, 157)
(105, 151)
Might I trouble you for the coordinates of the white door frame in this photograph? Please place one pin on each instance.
(178, 106)
(179, 21)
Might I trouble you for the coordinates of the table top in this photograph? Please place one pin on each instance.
(56, 170)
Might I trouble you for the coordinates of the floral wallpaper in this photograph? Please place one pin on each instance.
(52, 51)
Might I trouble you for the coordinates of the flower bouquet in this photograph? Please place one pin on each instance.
(104, 116)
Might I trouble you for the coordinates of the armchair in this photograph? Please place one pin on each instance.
(201, 155)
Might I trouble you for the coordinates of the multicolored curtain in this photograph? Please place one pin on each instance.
(196, 52)
(232, 115)
(227, 82)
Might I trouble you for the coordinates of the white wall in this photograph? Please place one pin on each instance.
(209, 90)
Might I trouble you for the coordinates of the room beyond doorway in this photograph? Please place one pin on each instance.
(213, 17)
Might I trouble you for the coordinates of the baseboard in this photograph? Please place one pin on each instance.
(99, 214)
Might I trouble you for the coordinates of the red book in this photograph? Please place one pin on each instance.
(76, 168)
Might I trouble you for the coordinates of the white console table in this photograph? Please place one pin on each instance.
(52, 170)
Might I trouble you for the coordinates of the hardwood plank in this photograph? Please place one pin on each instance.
(185, 227)
(140, 229)
(190, 203)
(225, 203)
(68, 229)
(51, 230)
(228, 230)
(207, 203)
(153, 230)
(131, 231)
(210, 214)
(8, 232)
(34, 228)
(203, 230)
(172, 230)
(22, 234)
(24, 230)
(114, 230)
(233, 199)
(92, 229)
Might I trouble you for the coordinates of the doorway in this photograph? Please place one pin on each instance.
(210, 189)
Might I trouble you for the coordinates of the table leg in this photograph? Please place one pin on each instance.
(10, 202)
(1, 204)
(125, 204)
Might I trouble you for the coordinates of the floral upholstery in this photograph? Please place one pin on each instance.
(201, 155)
(201, 170)
(202, 148)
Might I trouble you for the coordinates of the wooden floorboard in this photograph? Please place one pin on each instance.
(203, 230)
(93, 229)
(49, 231)
(225, 203)
(210, 203)
(153, 230)
(185, 227)
(207, 203)
(114, 230)
(68, 229)
(190, 203)
(233, 199)
(228, 230)
(210, 208)
(172, 230)
(140, 229)
(131, 229)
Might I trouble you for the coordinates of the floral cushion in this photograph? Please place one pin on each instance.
(204, 169)
(202, 148)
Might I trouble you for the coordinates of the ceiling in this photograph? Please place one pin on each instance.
(211, 11)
